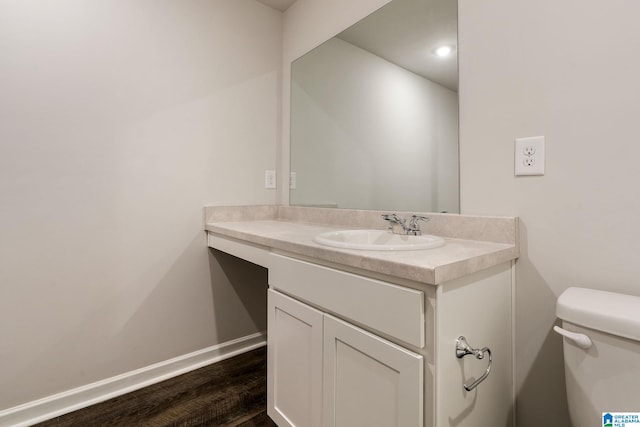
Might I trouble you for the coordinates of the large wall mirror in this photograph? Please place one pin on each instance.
(374, 113)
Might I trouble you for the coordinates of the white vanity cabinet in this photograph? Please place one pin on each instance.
(369, 339)
(324, 370)
(349, 350)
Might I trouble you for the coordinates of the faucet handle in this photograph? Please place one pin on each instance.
(414, 227)
(413, 222)
(393, 218)
(396, 224)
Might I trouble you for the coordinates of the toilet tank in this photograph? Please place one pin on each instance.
(605, 377)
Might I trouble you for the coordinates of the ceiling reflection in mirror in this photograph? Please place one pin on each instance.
(374, 113)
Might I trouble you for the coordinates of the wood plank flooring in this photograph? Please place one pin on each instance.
(229, 393)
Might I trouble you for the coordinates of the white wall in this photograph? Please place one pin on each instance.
(361, 122)
(567, 70)
(119, 121)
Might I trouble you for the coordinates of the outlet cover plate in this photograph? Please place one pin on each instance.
(529, 156)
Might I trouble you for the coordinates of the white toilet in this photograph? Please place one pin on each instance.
(601, 353)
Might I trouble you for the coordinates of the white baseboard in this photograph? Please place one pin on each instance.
(62, 403)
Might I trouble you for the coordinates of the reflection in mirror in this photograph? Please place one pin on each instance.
(374, 113)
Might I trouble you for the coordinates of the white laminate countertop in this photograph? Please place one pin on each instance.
(457, 258)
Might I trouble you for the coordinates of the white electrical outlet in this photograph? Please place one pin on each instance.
(529, 156)
(269, 179)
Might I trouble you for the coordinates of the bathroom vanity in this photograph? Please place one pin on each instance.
(368, 337)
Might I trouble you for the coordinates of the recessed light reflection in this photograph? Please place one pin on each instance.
(443, 51)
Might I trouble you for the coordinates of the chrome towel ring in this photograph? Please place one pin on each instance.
(464, 349)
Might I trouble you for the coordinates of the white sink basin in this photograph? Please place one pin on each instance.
(377, 240)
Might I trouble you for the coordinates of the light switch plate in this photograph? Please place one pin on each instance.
(269, 179)
(293, 181)
(529, 156)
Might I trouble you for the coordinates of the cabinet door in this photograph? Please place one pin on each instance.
(369, 381)
(294, 363)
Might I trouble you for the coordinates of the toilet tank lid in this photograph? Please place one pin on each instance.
(609, 312)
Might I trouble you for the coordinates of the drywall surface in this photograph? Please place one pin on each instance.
(119, 121)
(568, 71)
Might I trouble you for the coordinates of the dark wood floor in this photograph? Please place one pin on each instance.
(228, 393)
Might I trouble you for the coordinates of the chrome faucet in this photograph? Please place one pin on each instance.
(399, 225)
(396, 224)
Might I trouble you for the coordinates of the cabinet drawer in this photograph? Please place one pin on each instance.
(385, 307)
